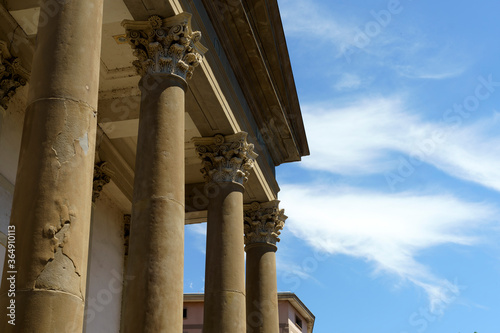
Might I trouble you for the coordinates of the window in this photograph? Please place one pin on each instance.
(184, 313)
(298, 321)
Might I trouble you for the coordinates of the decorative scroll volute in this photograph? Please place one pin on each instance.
(226, 158)
(12, 75)
(263, 222)
(102, 176)
(166, 46)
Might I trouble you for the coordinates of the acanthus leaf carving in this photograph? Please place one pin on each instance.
(165, 45)
(102, 176)
(226, 158)
(12, 75)
(263, 222)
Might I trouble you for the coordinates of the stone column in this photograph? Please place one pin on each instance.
(52, 198)
(167, 51)
(263, 223)
(227, 161)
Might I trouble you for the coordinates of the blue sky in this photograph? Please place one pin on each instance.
(394, 218)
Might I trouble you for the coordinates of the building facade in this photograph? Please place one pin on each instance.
(294, 316)
(121, 122)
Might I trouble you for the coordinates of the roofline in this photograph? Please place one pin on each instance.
(300, 307)
(282, 296)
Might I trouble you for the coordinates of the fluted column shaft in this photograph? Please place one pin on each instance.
(227, 161)
(263, 223)
(52, 198)
(153, 294)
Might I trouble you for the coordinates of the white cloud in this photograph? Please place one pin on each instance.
(357, 138)
(417, 72)
(301, 20)
(426, 60)
(348, 82)
(388, 230)
(403, 48)
(364, 136)
(198, 228)
(199, 231)
(471, 152)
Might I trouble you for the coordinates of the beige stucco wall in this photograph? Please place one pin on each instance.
(5, 206)
(11, 129)
(11, 126)
(192, 324)
(287, 317)
(105, 276)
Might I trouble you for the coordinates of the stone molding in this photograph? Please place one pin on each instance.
(263, 222)
(167, 46)
(102, 176)
(226, 158)
(12, 75)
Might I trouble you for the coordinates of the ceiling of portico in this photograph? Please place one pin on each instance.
(207, 103)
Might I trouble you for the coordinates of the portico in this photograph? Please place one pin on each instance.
(154, 91)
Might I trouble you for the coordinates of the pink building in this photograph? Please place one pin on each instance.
(294, 316)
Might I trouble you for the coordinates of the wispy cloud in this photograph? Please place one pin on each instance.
(300, 19)
(426, 60)
(387, 230)
(371, 40)
(366, 137)
(198, 229)
(199, 232)
(348, 81)
(360, 135)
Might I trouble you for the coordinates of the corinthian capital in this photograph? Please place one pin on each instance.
(102, 176)
(166, 46)
(263, 222)
(226, 158)
(12, 75)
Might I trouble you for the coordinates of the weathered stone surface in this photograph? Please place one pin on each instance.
(166, 46)
(226, 158)
(153, 300)
(263, 225)
(227, 161)
(225, 262)
(263, 222)
(52, 198)
(167, 51)
(261, 289)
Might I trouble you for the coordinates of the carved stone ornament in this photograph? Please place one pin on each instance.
(263, 222)
(126, 232)
(12, 75)
(226, 158)
(102, 176)
(165, 45)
